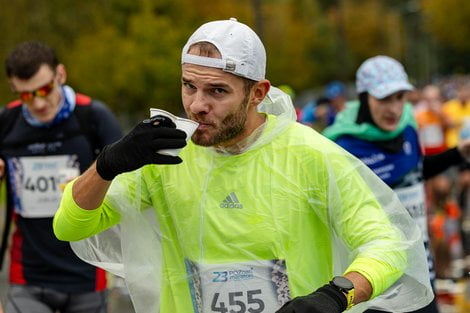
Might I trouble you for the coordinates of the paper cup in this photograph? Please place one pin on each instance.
(186, 125)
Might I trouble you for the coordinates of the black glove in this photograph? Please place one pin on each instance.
(139, 147)
(326, 299)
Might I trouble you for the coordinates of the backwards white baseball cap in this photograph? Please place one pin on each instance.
(242, 51)
(382, 76)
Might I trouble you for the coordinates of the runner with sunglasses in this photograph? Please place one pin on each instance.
(43, 145)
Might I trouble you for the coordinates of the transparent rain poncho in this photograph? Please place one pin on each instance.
(248, 231)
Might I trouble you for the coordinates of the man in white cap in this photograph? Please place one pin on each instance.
(257, 214)
(380, 129)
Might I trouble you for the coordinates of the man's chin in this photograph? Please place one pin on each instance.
(200, 141)
(44, 118)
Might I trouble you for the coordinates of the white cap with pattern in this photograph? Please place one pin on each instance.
(242, 51)
(382, 76)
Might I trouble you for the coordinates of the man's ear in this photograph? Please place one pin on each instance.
(259, 91)
(61, 74)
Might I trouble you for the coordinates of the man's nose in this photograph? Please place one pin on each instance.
(37, 102)
(199, 103)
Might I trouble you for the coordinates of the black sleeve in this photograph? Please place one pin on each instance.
(108, 128)
(7, 120)
(438, 163)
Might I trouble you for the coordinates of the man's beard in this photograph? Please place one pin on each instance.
(231, 126)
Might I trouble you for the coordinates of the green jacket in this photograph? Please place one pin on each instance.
(294, 199)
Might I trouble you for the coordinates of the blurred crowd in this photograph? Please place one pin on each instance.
(442, 112)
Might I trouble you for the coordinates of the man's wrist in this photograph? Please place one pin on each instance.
(102, 168)
(346, 287)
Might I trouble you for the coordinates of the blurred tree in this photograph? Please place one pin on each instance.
(135, 67)
(363, 29)
(124, 52)
(297, 39)
(127, 52)
(447, 21)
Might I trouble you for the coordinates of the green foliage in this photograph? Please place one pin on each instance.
(297, 38)
(133, 71)
(127, 52)
(369, 28)
(448, 21)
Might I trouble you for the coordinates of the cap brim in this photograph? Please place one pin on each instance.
(387, 89)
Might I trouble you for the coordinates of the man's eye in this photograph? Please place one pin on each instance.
(188, 85)
(219, 90)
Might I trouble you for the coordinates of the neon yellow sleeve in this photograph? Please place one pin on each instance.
(72, 223)
(381, 249)
(373, 270)
(362, 210)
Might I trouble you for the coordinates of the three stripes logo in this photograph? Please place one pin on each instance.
(231, 202)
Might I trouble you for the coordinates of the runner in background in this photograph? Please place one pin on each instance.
(321, 112)
(457, 113)
(432, 123)
(443, 209)
(380, 129)
(48, 137)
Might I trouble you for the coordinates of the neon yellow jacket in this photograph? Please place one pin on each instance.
(293, 196)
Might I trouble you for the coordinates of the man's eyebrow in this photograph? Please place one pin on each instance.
(211, 85)
(219, 85)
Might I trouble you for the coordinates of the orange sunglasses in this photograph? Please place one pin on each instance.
(42, 91)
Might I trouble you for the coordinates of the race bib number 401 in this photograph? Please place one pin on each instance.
(37, 183)
(246, 287)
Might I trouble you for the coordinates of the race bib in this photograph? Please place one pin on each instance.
(432, 136)
(413, 200)
(251, 287)
(38, 182)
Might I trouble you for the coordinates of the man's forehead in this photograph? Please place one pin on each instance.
(43, 76)
(193, 72)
